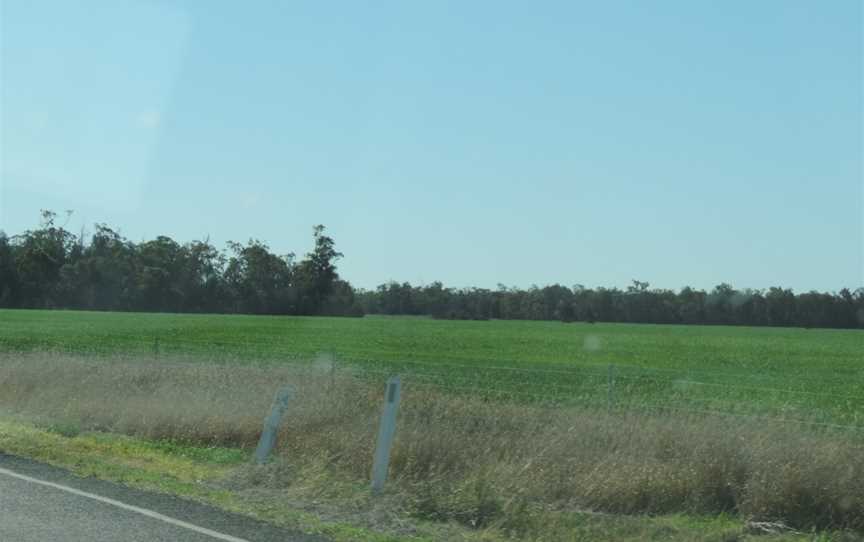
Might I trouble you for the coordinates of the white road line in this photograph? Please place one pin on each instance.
(124, 506)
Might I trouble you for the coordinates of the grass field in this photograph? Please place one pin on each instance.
(811, 375)
(772, 351)
(507, 429)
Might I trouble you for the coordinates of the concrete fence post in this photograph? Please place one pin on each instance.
(610, 392)
(333, 362)
(386, 432)
(271, 424)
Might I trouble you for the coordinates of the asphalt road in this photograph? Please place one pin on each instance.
(39, 502)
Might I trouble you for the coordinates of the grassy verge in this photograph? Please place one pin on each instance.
(200, 473)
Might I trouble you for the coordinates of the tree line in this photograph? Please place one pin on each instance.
(51, 268)
(638, 303)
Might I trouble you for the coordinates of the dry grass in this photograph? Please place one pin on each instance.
(481, 463)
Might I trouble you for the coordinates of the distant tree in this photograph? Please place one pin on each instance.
(201, 278)
(39, 257)
(846, 310)
(317, 272)
(780, 306)
(9, 283)
(720, 306)
(565, 311)
(161, 264)
(342, 301)
(691, 306)
(436, 299)
(261, 282)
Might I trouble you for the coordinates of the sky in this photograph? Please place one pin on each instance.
(476, 143)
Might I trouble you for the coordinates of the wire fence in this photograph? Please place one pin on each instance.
(817, 398)
(619, 391)
(234, 349)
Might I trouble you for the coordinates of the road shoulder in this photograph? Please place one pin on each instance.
(184, 510)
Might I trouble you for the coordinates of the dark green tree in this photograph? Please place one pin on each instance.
(317, 272)
(260, 282)
(9, 283)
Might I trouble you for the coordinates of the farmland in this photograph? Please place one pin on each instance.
(800, 374)
(762, 423)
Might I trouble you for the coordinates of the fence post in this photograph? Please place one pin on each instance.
(610, 391)
(333, 373)
(271, 424)
(386, 432)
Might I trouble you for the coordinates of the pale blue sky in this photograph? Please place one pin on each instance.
(677, 142)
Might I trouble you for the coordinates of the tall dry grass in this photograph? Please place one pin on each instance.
(456, 458)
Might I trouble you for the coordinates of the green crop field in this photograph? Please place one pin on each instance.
(811, 375)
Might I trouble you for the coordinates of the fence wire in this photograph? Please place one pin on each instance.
(817, 397)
